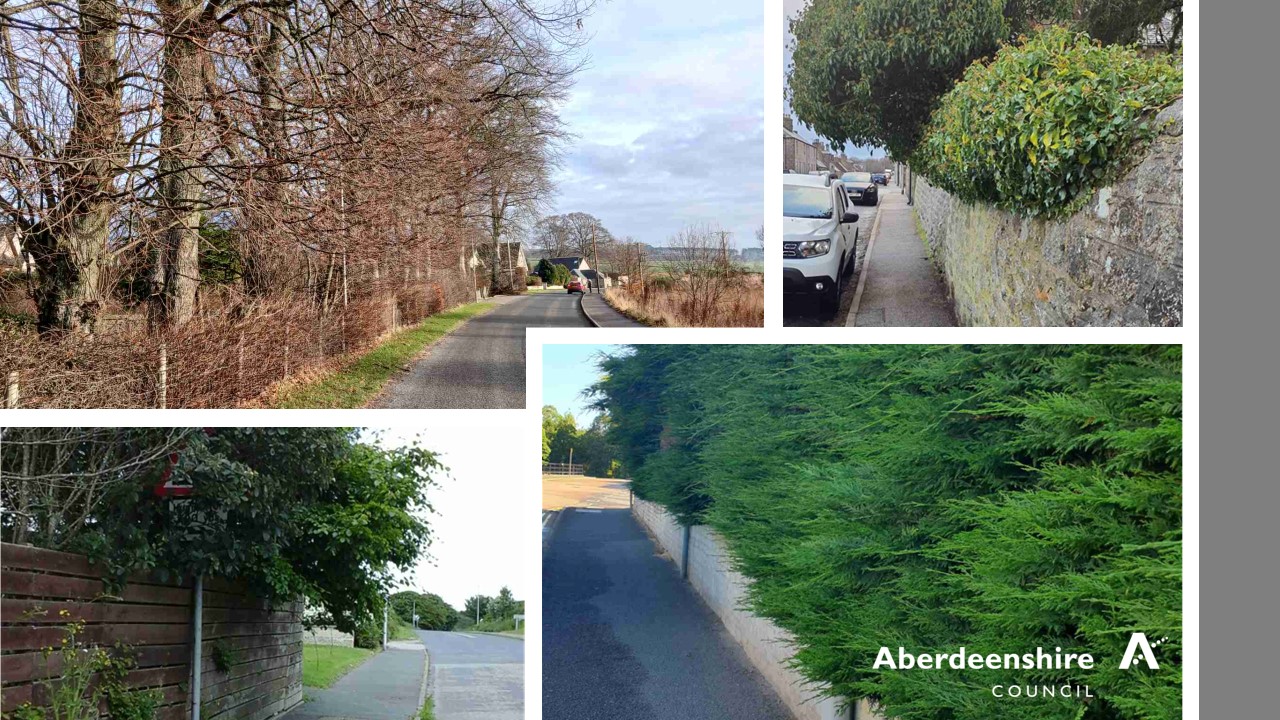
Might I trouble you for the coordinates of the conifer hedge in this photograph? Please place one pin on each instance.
(1000, 498)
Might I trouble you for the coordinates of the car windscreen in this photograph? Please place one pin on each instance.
(806, 201)
(856, 177)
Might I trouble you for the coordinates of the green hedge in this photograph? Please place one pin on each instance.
(1002, 498)
(1045, 123)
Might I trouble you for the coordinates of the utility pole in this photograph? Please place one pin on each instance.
(570, 459)
(595, 254)
(415, 613)
(384, 621)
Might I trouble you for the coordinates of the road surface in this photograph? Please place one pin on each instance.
(475, 676)
(624, 637)
(387, 686)
(481, 364)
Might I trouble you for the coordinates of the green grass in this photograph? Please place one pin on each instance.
(508, 625)
(356, 384)
(428, 711)
(398, 629)
(324, 664)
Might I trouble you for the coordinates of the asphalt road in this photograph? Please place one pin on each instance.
(475, 676)
(803, 312)
(481, 364)
(625, 638)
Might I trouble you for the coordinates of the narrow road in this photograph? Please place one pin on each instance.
(624, 637)
(475, 676)
(481, 364)
(387, 686)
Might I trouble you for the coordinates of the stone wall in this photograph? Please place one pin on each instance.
(1117, 261)
(766, 645)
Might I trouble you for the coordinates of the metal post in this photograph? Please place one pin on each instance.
(198, 647)
(414, 613)
(684, 554)
(384, 621)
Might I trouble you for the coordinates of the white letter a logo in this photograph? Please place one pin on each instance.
(1139, 641)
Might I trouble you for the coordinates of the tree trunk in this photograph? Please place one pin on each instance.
(71, 253)
(179, 179)
(259, 271)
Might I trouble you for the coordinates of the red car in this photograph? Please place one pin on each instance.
(575, 286)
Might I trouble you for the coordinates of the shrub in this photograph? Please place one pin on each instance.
(1045, 123)
(1002, 498)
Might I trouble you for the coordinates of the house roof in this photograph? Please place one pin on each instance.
(573, 263)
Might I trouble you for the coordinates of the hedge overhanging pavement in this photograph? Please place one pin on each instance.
(1001, 498)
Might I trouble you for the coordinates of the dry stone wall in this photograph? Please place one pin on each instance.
(1117, 261)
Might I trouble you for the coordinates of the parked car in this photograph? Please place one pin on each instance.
(860, 187)
(575, 286)
(880, 178)
(819, 239)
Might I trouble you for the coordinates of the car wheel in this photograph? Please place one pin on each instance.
(830, 303)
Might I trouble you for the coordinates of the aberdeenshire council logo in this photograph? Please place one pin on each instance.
(1140, 650)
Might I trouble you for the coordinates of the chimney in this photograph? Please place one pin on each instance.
(788, 123)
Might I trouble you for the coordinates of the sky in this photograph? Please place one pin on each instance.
(669, 119)
(482, 519)
(567, 370)
(792, 8)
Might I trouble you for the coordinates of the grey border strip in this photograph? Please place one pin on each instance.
(852, 320)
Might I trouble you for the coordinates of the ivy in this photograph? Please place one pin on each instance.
(1045, 123)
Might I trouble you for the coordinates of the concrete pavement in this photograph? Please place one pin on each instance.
(903, 289)
(481, 364)
(388, 686)
(624, 637)
(475, 676)
(602, 314)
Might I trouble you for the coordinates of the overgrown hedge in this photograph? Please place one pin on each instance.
(1045, 123)
(1002, 498)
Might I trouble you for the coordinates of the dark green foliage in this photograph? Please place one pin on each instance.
(314, 512)
(551, 273)
(224, 656)
(870, 71)
(591, 447)
(220, 260)
(1002, 498)
(433, 612)
(1045, 123)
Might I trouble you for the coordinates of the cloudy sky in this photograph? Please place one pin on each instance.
(792, 8)
(484, 515)
(669, 118)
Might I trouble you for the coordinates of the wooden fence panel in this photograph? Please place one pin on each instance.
(259, 643)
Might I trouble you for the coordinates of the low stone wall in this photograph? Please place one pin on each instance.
(767, 646)
(1117, 261)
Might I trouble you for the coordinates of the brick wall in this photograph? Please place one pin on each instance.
(767, 646)
(263, 642)
(1117, 261)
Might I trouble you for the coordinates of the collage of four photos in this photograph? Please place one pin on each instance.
(855, 332)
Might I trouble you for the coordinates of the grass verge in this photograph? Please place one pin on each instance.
(398, 629)
(360, 380)
(428, 711)
(322, 665)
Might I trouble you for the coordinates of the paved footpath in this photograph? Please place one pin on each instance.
(476, 676)
(625, 637)
(902, 289)
(388, 686)
(594, 305)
